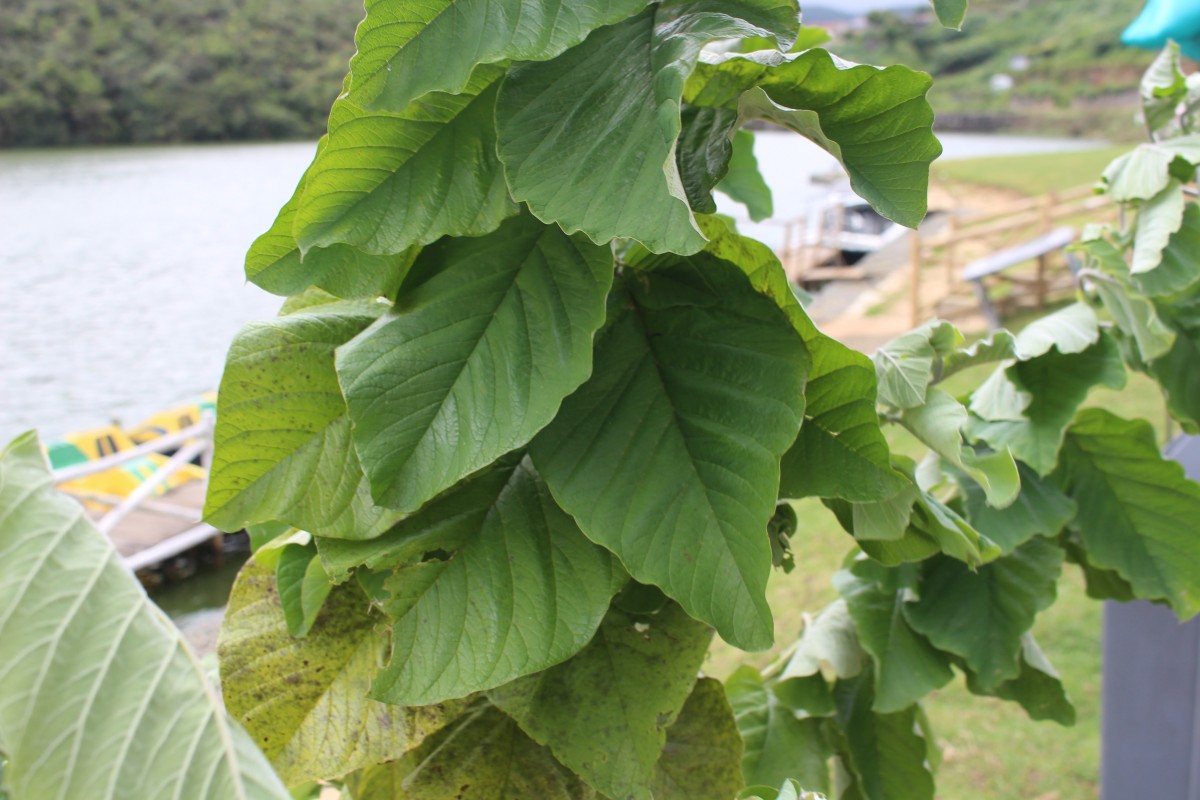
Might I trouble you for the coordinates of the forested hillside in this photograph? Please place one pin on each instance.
(109, 71)
(119, 71)
(1059, 54)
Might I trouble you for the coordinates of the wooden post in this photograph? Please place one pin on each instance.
(1047, 219)
(914, 261)
(950, 262)
(788, 255)
(839, 223)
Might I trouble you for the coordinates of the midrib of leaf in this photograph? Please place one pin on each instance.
(86, 710)
(549, 141)
(488, 319)
(432, 131)
(1115, 490)
(899, 370)
(131, 729)
(680, 426)
(387, 64)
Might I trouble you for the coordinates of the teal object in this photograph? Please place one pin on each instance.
(1163, 20)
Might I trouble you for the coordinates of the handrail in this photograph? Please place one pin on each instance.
(1034, 214)
(148, 486)
(201, 430)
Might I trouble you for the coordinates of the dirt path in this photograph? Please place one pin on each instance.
(864, 315)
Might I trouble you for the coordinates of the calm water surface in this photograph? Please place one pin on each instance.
(121, 273)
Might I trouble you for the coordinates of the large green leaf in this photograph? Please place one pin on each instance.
(100, 697)
(876, 122)
(907, 667)
(884, 752)
(841, 451)
(1163, 88)
(483, 755)
(694, 373)
(302, 584)
(1137, 511)
(588, 139)
(1174, 371)
(1137, 319)
(950, 13)
(1179, 268)
(305, 701)
(407, 48)
(1037, 689)
(386, 181)
(703, 153)
(954, 535)
(1145, 171)
(743, 182)
(1041, 509)
(939, 423)
(702, 759)
(283, 448)
(778, 743)
(521, 590)
(1059, 383)
(905, 365)
(274, 263)
(605, 712)
(1158, 219)
(982, 614)
(1072, 329)
(830, 641)
(476, 359)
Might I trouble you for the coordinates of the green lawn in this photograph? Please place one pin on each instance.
(1031, 174)
(993, 751)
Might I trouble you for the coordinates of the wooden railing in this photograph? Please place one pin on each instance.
(936, 260)
(188, 444)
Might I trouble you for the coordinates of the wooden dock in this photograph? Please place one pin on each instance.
(146, 527)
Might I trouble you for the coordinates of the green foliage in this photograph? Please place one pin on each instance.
(504, 490)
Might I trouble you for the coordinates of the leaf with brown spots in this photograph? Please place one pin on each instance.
(605, 712)
(702, 759)
(305, 700)
(483, 755)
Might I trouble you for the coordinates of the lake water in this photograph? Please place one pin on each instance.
(121, 269)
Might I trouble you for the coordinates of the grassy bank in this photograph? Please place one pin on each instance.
(1029, 174)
